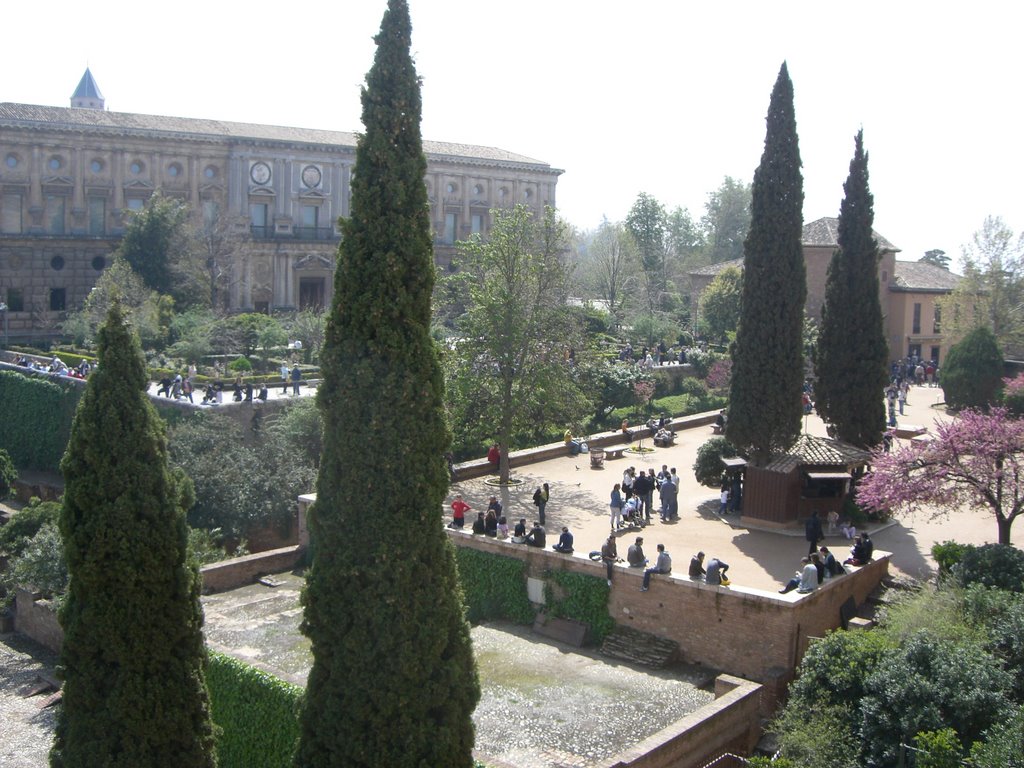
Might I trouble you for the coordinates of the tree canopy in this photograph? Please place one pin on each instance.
(133, 658)
(976, 460)
(972, 376)
(393, 680)
(764, 399)
(721, 305)
(852, 353)
(512, 378)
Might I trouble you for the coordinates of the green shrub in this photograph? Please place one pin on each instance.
(585, 600)
(994, 565)
(18, 532)
(40, 564)
(708, 468)
(258, 714)
(938, 749)
(8, 474)
(494, 587)
(239, 364)
(35, 419)
(947, 554)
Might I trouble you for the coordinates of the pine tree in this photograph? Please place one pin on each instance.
(133, 659)
(764, 399)
(973, 374)
(393, 680)
(852, 352)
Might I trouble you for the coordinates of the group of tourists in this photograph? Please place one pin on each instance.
(632, 501)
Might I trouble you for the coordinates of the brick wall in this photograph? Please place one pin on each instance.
(750, 633)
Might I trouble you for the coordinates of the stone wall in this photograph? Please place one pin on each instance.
(36, 618)
(750, 633)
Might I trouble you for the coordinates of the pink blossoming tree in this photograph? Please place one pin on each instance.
(975, 461)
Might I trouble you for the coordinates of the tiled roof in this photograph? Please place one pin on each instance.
(58, 117)
(923, 277)
(714, 269)
(825, 232)
(87, 88)
(817, 451)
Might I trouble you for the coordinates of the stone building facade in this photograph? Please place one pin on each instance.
(907, 290)
(69, 178)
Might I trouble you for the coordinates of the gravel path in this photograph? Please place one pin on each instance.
(26, 731)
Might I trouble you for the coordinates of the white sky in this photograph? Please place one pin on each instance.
(660, 96)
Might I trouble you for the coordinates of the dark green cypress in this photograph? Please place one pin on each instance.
(767, 374)
(133, 659)
(393, 680)
(852, 353)
(972, 376)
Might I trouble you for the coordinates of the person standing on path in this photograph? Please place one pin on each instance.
(296, 380)
(615, 506)
(284, 377)
(540, 498)
(813, 532)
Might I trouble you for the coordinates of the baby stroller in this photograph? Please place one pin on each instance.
(631, 514)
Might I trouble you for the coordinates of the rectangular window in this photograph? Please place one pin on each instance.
(97, 216)
(211, 214)
(54, 214)
(476, 224)
(15, 300)
(935, 355)
(258, 220)
(135, 203)
(937, 325)
(57, 299)
(10, 214)
(916, 327)
(310, 216)
(450, 220)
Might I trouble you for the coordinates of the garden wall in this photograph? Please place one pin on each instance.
(750, 633)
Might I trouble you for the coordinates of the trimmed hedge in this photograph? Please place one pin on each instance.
(258, 714)
(494, 587)
(35, 419)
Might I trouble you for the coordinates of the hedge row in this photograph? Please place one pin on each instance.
(258, 714)
(35, 419)
(494, 587)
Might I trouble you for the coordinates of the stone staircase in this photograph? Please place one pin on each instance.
(639, 647)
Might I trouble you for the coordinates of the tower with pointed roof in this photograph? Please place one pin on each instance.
(87, 95)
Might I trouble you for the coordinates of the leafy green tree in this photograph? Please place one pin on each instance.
(133, 658)
(938, 749)
(973, 374)
(684, 239)
(309, 327)
(929, 684)
(393, 680)
(936, 258)
(511, 377)
(646, 222)
(156, 245)
(764, 400)
(1000, 615)
(991, 292)
(992, 565)
(1002, 745)
(852, 352)
(726, 221)
(720, 305)
(40, 564)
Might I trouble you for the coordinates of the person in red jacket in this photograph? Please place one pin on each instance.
(459, 509)
(494, 455)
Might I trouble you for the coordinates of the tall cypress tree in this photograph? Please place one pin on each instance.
(852, 352)
(767, 373)
(393, 679)
(133, 659)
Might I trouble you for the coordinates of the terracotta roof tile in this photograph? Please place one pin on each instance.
(921, 276)
(818, 451)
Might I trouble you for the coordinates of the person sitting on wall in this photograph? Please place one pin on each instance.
(610, 556)
(697, 572)
(491, 524)
(502, 527)
(494, 455)
(565, 542)
(716, 572)
(264, 392)
(662, 565)
(626, 431)
(519, 532)
(479, 525)
(635, 554)
(574, 445)
(860, 553)
(535, 538)
(832, 566)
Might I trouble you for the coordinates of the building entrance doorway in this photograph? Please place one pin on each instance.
(311, 293)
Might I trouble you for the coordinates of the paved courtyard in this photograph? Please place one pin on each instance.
(762, 559)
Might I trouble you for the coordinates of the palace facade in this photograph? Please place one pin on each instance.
(69, 178)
